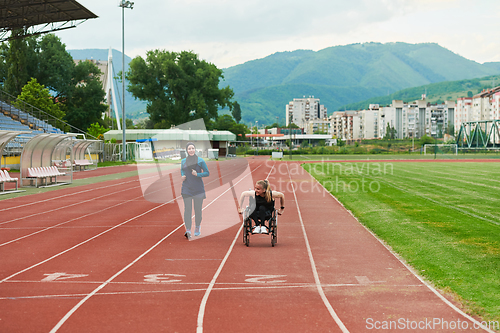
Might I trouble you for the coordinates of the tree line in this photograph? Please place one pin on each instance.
(178, 86)
(39, 71)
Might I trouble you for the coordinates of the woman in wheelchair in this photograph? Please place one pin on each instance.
(263, 204)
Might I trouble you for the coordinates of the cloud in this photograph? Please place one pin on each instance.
(228, 32)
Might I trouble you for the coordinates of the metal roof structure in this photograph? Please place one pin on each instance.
(40, 16)
(174, 134)
(6, 136)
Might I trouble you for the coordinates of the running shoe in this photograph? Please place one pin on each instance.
(188, 234)
(256, 229)
(263, 229)
(197, 231)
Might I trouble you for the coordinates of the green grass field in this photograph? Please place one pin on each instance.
(443, 218)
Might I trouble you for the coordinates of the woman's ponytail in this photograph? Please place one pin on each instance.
(267, 187)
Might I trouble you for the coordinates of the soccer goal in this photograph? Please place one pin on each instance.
(449, 149)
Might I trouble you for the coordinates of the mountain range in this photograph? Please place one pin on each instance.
(342, 75)
(339, 76)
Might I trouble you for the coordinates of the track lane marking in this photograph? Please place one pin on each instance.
(446, 301)
(313, 264)
(74, 219)
(57, 225)
(67, 195)
(201, 310)
(82, 243)
(76, 307)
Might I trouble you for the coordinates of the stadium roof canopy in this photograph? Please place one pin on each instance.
(40, 16)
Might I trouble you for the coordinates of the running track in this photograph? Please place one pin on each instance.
(101, 258)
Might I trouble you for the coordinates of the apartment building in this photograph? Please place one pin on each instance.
(302, 110)
(485, 105)
(345, 125)
(369, 122)
(317, 125)
(463, 111)
(416, 119)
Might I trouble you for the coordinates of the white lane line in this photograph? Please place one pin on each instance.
(132, 283)
(84, 242)
(153, 292)
(76, 307)
(201, 311)
(63, 320)
(203, 304)
(66, 195)
(74, 219)
(57, 225)
(313, 265)
(437, 293)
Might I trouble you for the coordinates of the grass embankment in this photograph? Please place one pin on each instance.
(442, 218)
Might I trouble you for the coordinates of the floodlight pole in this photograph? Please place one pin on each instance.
(290, 133)
(124, 4)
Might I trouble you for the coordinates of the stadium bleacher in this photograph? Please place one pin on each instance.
(13, 119)
(24, 119)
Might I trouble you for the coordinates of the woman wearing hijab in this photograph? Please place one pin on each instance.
(193, 168)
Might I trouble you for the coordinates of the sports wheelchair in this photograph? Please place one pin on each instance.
(272, 228)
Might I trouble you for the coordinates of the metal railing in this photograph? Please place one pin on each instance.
(33, 117)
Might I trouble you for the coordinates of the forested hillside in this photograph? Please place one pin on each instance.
(343, 75)
(435, 92)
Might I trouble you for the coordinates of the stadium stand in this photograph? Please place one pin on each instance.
(25, 119)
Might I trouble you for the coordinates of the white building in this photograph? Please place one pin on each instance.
(317, 125)
(463, 111)
(369, 120)
(301, 110)
(345, 125)
(416, 119)
(485, 104)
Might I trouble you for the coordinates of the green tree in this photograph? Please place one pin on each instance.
(224, 123)
(239, 130)
(236, 112)
(56, 66)
(4, 52)
(179, 87)
(16, 64)
(85, 106)
(426, 140)
(97, 131)
(390, 132)
(37, 95)
(129, 123)
(227, 123)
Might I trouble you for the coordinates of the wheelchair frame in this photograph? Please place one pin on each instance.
(272, 229)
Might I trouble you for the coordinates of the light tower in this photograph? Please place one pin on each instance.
(124, 4)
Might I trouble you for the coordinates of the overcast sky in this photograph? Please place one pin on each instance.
(231, 32)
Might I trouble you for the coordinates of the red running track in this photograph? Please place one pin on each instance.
(101, 258)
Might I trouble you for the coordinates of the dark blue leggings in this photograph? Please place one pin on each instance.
(188, 210)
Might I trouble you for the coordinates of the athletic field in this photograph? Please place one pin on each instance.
(108, 254)
(443, 218)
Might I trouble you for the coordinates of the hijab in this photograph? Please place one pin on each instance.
(191, 160)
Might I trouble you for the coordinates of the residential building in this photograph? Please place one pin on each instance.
(301, 110)
(317, 125)
(345, 125)
(369, 122)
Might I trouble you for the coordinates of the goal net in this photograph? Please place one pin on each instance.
(451, 149)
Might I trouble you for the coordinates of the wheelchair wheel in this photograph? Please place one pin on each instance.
(246, 231)
(273, 231)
